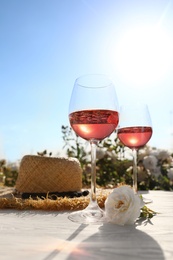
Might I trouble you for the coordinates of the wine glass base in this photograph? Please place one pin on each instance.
(88, 216)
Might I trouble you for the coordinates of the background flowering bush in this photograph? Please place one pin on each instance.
(114, 163)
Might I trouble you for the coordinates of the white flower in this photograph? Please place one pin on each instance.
(123, 206)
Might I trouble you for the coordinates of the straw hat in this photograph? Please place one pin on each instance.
(39, 174)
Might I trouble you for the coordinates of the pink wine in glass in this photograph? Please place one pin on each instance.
(135, 137)
(94, 124)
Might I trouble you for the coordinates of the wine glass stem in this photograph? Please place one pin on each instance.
(93, 199)
(135, 185)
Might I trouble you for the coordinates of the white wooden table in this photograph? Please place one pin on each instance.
(42, 235)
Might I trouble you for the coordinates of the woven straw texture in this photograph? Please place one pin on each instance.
(39, 174)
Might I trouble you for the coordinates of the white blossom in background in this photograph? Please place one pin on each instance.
(122, 206)
(150, 162)
(143, 174)
(141, 154)
(170, 159)
(144, 152)
(154, 153)
(130, 169)
(100, 153)
(156, 172)
(170, 174)
(112, 155)
(163, 155)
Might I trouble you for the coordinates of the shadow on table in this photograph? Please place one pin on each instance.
(110, 242)
(119, 243)
(66, 243)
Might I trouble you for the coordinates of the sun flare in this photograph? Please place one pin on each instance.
(144, 54)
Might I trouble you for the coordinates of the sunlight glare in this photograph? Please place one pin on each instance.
(133, 141)
(85, 128)
(144, 54)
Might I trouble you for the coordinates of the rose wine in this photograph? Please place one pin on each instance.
(94, 124)
(135, 137)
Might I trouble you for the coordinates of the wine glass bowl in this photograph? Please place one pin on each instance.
(135, 137)
(93, 115)
(134, 131)
(94, 124)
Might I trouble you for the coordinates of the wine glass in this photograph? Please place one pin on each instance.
(134, 131)
(93, 115)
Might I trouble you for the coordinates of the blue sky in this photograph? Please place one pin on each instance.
(45, 45)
